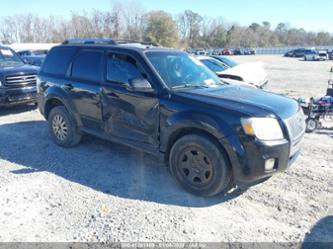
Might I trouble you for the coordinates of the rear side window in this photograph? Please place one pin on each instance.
(122, 68)
(57, 61)
(88, 65)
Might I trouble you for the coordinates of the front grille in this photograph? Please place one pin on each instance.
(296, 129)
(16, 81)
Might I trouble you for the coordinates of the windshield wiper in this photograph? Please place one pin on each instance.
(189, 85)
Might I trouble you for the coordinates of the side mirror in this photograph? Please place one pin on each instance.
(140, 85)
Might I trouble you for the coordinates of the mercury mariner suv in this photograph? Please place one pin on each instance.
(211, 134)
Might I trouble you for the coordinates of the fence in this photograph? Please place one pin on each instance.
(282, 50)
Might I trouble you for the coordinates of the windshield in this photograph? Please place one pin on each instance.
(214, 65)
(179, 70)
(229, 62)
(9, 58)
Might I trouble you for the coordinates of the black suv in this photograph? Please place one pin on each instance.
(17, 80)
(213, 135)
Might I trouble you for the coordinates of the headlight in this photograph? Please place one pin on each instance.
(0, 83)
(262, 128)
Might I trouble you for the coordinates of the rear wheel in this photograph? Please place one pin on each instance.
(63, 128)
(200, 166)
(311, 125)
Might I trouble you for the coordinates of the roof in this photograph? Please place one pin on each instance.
(204, 57)
(131, 47)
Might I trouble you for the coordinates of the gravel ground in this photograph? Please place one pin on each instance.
(101, 191)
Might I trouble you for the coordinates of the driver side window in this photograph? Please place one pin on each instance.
(122, 68)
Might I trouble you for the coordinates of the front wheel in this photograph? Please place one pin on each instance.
(200, 166)
(63, 128)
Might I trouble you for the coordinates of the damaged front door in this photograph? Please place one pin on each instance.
(129, 115)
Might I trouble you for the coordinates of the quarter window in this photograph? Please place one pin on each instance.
(57, 61)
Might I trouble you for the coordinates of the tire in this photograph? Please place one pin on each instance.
(311, 125)
(200, 166)
(63, 128)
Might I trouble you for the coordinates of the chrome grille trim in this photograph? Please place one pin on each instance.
(296, 130)
(14, 81)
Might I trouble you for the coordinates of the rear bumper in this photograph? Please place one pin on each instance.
(17, 96)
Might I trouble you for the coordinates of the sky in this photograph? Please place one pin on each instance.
(312, 15)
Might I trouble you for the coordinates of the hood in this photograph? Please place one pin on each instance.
(238, 82)
(19, 69)
(250, 101)
(253, 73)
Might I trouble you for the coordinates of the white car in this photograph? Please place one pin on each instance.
(314, 55)
(250, 74)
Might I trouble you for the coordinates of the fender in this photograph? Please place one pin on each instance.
(61, 95)
(213, 125)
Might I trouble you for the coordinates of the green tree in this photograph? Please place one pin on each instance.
(160, 28)
(255, 26)
(267, 25)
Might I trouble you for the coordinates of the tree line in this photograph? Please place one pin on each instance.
(131, 22)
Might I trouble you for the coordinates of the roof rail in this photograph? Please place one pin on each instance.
(90, 41)
(150, 44)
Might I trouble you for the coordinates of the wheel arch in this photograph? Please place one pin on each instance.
(55, 96)
(50, 104)
(181, 132)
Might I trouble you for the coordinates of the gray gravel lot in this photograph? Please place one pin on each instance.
(101, 191)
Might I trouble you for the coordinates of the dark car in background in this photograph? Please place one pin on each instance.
(298, 53)
(330, 54)
(35, 58)
(239, 51)
(17, 79)
(249, 51)
(163, 101)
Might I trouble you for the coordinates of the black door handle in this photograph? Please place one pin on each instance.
(68, 86)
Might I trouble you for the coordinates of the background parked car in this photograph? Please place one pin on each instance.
(17, 80)
(227, 51)
(315, 55)
(330, 54)
(311, 55)
(249, 51)
(289, 53)
(323, 55)
(225, 60)
(239, 51)
(298, 53)
(250, 74)
(35, 58)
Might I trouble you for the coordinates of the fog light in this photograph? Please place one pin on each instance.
(269, 164)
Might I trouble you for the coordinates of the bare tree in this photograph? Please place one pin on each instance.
(131, 21)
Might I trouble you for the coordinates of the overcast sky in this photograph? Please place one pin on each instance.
(315, 15)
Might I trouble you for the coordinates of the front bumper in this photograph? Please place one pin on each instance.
(17, 96)
(249, 158)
